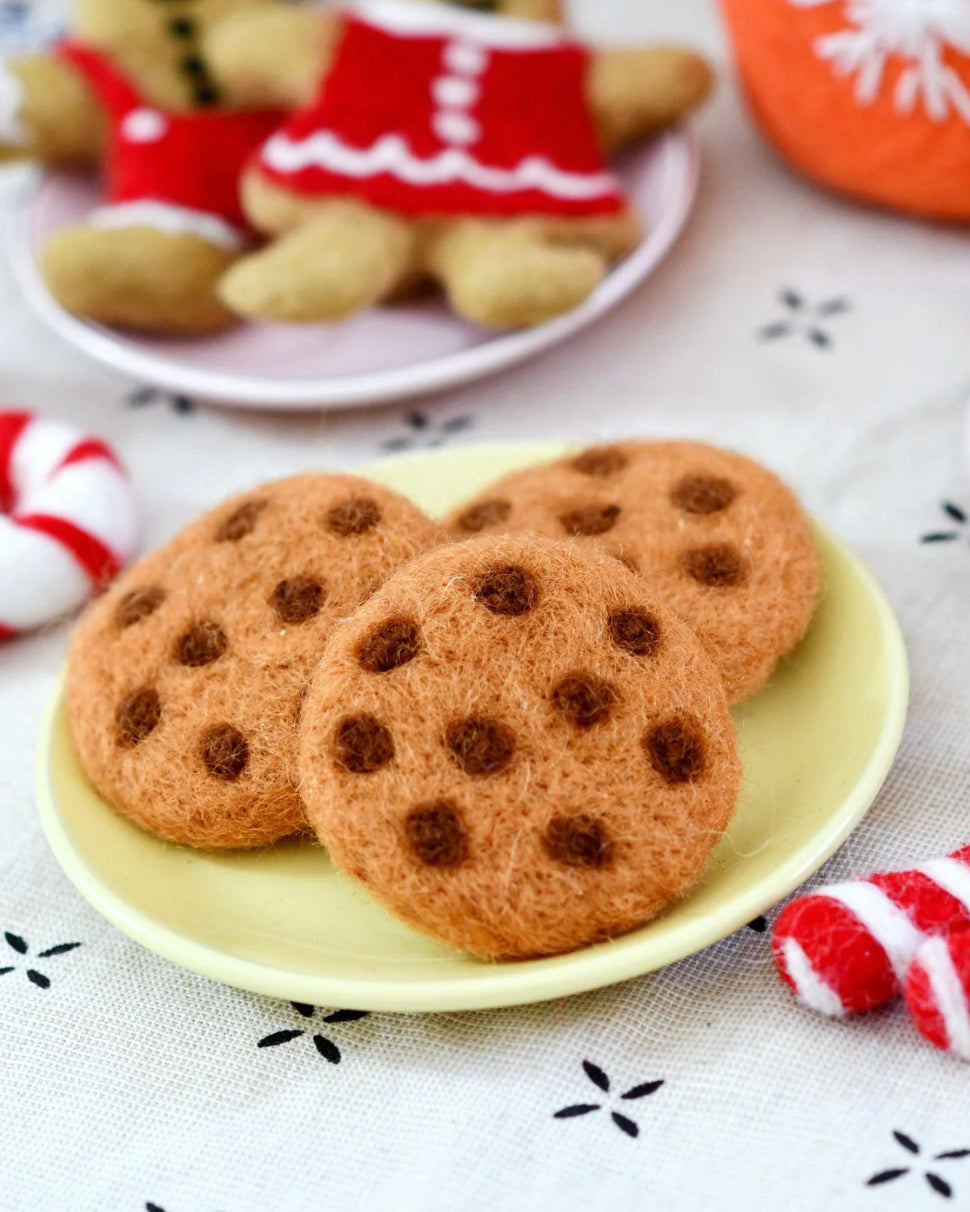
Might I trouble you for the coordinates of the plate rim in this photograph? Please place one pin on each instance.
(548, 979)
(681, 161)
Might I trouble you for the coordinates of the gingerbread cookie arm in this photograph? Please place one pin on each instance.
(633, 92)
(47, 111)
(272, 56)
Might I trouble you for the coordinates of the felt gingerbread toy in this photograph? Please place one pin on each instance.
(461, 141)
(131, 87)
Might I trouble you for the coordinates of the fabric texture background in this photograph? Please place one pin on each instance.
(829, 341)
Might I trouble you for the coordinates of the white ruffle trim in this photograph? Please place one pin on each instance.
(441, 20)
(391, 154)
(171, 219)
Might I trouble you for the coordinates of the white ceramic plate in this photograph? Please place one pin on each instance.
(815, 744)
(384, 354)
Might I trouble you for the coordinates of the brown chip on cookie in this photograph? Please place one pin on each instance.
(518, 747)
(719, 536)
(186, 679)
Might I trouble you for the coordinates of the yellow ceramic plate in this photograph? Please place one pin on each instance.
(816, 746)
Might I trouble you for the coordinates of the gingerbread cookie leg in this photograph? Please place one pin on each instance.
(138, 277)
(512, 275)
(347, 257)
(633, 92)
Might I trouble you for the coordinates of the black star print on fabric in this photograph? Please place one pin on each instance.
(600, 1080)
(954, 515)
(181, 405)
(424, 434)
(18, 945)
(759, 925)
(151, 1207)
(13, 14)
(326, 1047)
(804, 319)
(935, 1181)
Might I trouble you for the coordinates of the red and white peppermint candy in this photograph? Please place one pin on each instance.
(938, 993)
(68, 521)
(847, 948)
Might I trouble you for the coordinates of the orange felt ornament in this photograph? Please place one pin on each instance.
(870, 97)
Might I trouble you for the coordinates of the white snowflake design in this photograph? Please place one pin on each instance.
(917, 31)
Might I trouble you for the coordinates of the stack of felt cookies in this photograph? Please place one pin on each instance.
(514, 729)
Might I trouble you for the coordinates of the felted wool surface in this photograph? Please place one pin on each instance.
(132, 90)
(938, 992)
(899, 135)
(720, 538)
(479, 164)
(518, 100)
(185, 680)
(138, 278)
(168, 61)
(846, 948)
(518, 747)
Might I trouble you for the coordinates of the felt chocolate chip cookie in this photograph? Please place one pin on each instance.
(185, 681)
(518, 747)
(720, 537)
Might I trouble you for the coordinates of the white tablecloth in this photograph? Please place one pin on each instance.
(128, 1084)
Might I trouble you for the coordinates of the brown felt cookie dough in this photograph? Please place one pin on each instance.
(185, 680)
(721, 538)
(518, 747)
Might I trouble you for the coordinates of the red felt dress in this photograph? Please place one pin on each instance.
(429, 111)
(176, 171)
